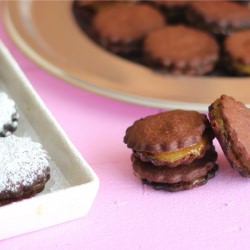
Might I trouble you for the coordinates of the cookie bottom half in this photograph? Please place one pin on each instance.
(181, 186)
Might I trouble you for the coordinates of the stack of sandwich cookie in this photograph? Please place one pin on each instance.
(172, 150)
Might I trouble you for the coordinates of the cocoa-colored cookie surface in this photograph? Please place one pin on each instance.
(219, 17)
(182, 186)
(167, 131)
(119, 27)
(179, 49)
(230, 120)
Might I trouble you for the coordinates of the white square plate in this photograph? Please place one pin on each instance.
(73, 185)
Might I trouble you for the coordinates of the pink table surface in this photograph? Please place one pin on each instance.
(126, 214)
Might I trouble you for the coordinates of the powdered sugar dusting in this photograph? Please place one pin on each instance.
(22, 163)
(7, 112)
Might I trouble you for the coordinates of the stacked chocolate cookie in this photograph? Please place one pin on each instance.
(172, 150)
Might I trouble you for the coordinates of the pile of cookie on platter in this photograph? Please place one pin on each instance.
(208, 38)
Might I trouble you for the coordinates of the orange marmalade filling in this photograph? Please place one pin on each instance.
(218, 117)
(173, 156)
(242, 68)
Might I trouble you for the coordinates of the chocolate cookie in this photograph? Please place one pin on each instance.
(8, 115)
(24, 168)
(237, 52)
(219, 17)
(121, 28)
(179, 49)
(170, 145)
(230, 120)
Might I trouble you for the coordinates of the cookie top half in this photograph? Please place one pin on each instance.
(167, 131)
